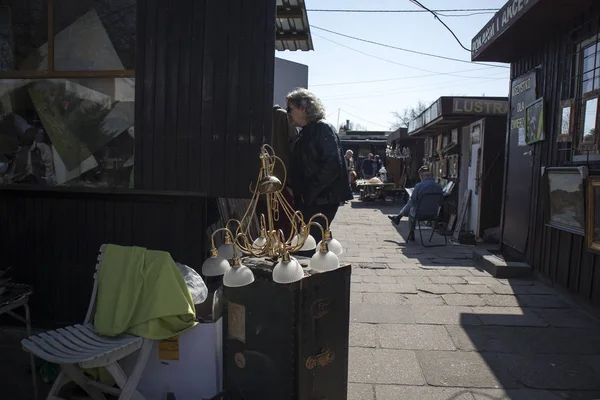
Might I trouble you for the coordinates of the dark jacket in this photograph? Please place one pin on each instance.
(318, 172)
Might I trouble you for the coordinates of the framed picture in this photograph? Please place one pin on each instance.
(453, 166)
(444, 168)
(565, 121)
(454, 136)
(476, 134)
(589, 122)
(566, 198)
(534, 122)
(593, 214)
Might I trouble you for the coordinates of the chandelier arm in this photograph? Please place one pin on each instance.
(248, 247)
(212, 237)
(317, 225)
(322, 216)
(248, 216)
(289, 213)
(275, 158)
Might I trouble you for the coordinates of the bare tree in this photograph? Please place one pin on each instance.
(408, 114)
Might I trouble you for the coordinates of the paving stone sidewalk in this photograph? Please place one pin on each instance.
(426, 324)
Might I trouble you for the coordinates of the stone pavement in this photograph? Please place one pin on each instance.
(426, 324)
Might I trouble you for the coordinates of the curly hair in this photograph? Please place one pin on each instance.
(305, 98)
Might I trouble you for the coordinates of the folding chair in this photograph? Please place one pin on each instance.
(78, 346)
(428, 210)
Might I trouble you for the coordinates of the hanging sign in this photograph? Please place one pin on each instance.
(522, 94)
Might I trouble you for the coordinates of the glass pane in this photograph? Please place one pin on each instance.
(589, 63)
(94, 34)
(587, 52)
(565, 120)
(589, 120)
(63, 132)
(588, 85)
(23, 34)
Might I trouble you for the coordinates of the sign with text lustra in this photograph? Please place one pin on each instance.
(502, 20)
(479, 106)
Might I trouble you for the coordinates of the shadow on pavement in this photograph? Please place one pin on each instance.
(534, 346)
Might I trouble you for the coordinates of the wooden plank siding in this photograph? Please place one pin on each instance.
(204, 94)
(52, 239)
(558, 256)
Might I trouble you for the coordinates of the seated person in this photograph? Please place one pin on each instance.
(427, 185)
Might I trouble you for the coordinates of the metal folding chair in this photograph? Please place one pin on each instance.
(428, 209)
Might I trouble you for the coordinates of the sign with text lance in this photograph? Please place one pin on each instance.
(479, 106)
(501, 21)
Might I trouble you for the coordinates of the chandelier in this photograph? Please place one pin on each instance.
(272, 243)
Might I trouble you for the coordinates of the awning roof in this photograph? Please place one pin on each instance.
(448, 113)
(521, 24)
(293, 30)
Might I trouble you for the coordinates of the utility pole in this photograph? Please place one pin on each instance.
(338, 123)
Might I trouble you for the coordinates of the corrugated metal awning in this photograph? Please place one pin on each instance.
(293, 30)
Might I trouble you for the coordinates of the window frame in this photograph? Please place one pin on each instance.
(52, 73)
(588, 147)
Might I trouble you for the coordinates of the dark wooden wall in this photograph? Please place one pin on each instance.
(557, 255)
(52, 238)
(204, 93)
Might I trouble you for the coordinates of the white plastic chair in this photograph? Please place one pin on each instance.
(78, 346)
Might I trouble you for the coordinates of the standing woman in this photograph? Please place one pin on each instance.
(318, 174)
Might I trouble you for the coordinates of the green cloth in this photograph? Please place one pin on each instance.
(142, 292)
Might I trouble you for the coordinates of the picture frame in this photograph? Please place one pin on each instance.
(454, 136)
(590, 115)
(566, 198)
(534, 122)
(566, 120)
(592, 234)
(453, 166)
(444, 168)
(475, 134)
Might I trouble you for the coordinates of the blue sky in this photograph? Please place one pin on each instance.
(371, 104)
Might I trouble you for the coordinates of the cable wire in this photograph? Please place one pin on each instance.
(402, 49)
(365, 120)
(343, 10)
(441, 22)
(406, 77)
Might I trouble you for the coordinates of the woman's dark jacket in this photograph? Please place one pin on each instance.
(318, 172)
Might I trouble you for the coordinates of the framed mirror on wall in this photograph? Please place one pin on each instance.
(593, 214)
(589, 123)
(565, 122)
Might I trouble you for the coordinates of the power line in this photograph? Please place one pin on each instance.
(406, 50)
(441, 22)
(365, 120)
(405, 77)
(344, 10)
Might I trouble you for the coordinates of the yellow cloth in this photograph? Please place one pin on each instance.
(142, 292)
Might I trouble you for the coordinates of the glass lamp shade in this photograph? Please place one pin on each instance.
(215, 266)
(309, 244)
(237, 276)
(288, 272)
(334, 245)
(324, 261)
(259, 242)
(226, 250)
